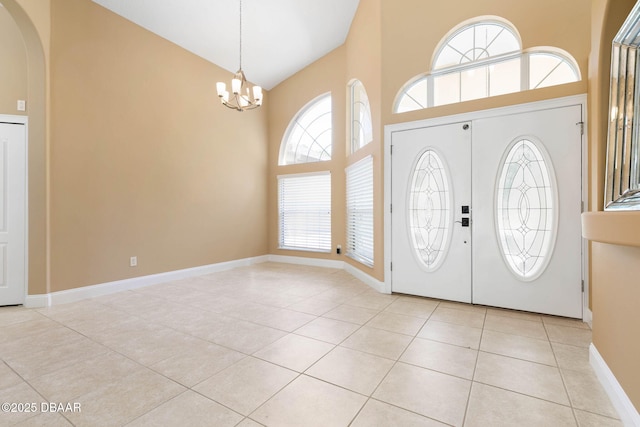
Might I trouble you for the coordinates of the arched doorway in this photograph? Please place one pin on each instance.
(37, 151)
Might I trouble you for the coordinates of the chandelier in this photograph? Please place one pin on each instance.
(241, 98)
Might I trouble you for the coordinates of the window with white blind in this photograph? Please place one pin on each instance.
(360, 211)
(304, 204)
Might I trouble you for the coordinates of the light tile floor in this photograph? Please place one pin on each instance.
(282, 345)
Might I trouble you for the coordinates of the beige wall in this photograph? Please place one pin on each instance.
(144, 160)
(614, 269)
(326, 75)
(616, 318)
(13, 72)
(359, 58)
(364, 62)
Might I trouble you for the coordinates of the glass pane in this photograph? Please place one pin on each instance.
(504, 77)
(448, 56)
(547, 69)
(474, 83)
(504, 42)
(304, 204)
(475, 43)
(446, 89)
(462, 43)
(414, 97)
(429, 210)
(361, 126)
(525, 210)
(308, 138)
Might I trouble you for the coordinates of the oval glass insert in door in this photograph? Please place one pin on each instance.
(429, 210)
(526, 209)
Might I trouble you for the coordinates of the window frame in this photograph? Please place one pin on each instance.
(356, 144)
(325, 235)
(457, 69)
(358, 208)
(295, 122)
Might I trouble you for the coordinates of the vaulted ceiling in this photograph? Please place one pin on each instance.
(279, 37)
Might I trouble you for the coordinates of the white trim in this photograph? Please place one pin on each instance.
(463, 117)
(587, 316)
(37, 301)
(328, 263)
(78, 294)
(364, 277)
(23, 120)
(313, 262)
(627, 412)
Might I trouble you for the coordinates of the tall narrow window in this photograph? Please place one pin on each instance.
(361, 126)
(308, 137)
(360, 211)
(304, 202)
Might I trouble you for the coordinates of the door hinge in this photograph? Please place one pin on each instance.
(583, 286)
(581, 127)
(582, 206)
(391, 208)
(391, 146)
(391, 266)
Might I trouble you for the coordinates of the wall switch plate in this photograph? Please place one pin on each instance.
(22, 105)
(133, 261)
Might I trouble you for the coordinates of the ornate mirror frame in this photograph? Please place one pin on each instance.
(622, 180)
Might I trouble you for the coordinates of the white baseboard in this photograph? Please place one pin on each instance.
(77, 294)
(37, 301)
(587, 317)
(340, 265)
(85, 292)
(627, 412)
(312, 262)
(364, 277)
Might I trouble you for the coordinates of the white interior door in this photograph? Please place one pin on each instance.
(431, 182)
(12, 213)
(527, 193)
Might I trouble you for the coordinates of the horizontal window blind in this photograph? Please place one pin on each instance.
(305, 211)
(360, 211)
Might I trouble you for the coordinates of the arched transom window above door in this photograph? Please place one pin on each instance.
(481, 59)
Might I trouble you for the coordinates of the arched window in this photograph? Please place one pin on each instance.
(361, 126)
(308, 137)
(475, 43)
(550, 69)
(483, 59)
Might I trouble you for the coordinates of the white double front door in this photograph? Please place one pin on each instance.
(12, 213)
(487, 211)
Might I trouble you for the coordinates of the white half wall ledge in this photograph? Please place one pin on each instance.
(93, 291)
(626, 410)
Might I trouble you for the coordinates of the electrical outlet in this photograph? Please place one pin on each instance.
(339, 249)
(133, 261)
(22, 105)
